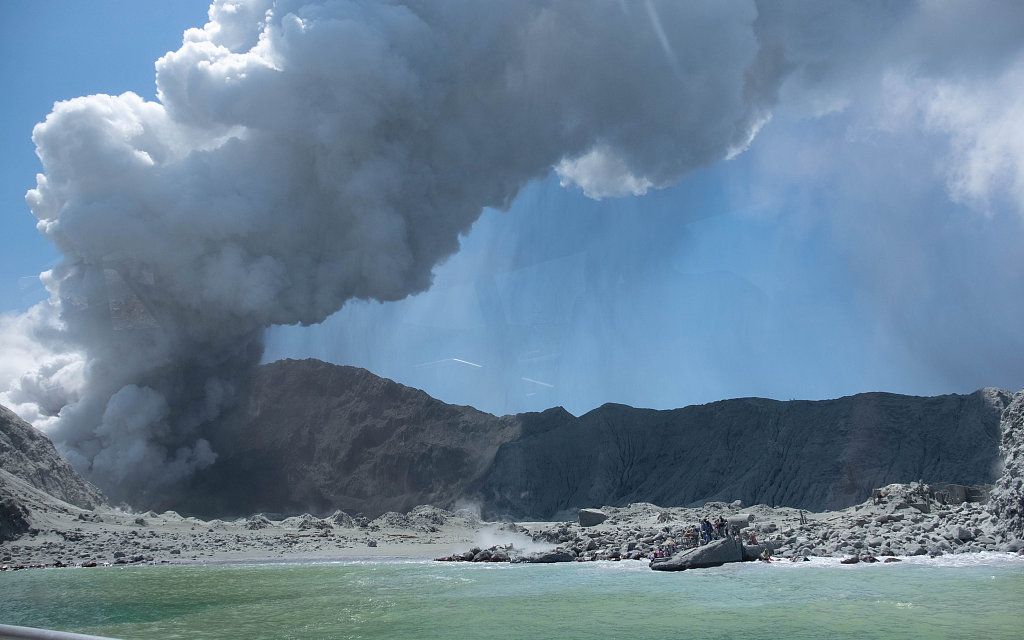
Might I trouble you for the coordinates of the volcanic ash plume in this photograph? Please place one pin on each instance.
(301, 154)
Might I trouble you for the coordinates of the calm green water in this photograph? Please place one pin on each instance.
(960, 598)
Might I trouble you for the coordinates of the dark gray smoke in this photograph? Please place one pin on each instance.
(302, 154)
(305, 153)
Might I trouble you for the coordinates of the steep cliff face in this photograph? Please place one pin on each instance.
(312, 436)
(815, 455)
(29, 455)
(316, 437)
(1008, 494)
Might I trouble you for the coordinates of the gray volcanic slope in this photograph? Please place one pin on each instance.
(29, 455)
(816, 455)
(315, 437)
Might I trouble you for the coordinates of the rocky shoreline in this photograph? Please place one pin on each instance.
(900, 520)
(38, 529)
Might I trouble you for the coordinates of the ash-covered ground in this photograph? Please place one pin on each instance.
(904, 520)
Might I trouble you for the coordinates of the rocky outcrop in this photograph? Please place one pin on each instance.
(315, 437)
(547, 557)
(1007, 501)
(591, 517)
(713, 554)
(14, 519)
(29, 455)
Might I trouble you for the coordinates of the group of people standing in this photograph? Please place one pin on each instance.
(712, 531)
(705, 531)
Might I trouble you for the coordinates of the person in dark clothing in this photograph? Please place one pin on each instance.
(705, 530)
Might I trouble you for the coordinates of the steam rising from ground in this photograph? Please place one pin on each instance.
(494, 536)
(305, 153)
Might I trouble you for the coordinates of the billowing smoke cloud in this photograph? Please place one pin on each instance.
(302, 154)
(869, 239)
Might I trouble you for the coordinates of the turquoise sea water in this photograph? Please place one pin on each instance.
(963, 597)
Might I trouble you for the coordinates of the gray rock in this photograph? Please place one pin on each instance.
(14, 519)
(256, 522)
(547, 557)
(754, 551)
(1007, 498)
(426, 516)
(1012, 546)
(962, 534)
(499, 556)
(342, 519)
(482, 556)
(591, 517)
(713, 554)
(307, 521)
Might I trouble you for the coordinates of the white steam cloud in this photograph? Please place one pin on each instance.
(302, 154)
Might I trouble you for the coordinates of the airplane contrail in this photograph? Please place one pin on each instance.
(459, 360)
(543, 384)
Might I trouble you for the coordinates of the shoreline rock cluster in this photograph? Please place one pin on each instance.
(900, 520)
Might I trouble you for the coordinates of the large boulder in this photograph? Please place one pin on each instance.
(958, 532)
(740, 521)
(753, 551)
(592, 517)
(547, 557)
(713, 554)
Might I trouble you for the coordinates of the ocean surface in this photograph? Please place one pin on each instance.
(963, 597)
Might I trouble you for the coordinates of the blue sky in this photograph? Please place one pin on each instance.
(837, 254)
(54, 50)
